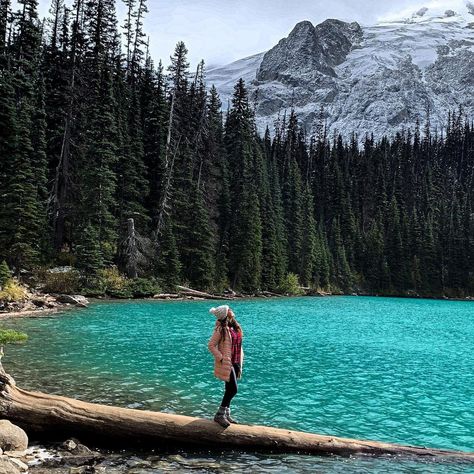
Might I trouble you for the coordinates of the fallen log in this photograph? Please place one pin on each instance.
(272, 294)
(56, 417)
(166, 296)
(200, 294)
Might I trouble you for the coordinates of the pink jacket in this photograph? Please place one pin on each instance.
(222, 350)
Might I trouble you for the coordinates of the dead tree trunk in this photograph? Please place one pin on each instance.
(60, 191)
(56, 417)
(135, 251)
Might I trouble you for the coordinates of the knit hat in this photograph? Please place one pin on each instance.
(220, 312)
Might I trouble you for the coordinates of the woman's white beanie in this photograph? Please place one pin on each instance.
(220, 312)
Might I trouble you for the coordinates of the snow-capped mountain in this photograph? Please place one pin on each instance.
(377, 78)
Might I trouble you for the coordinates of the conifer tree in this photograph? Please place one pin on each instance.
(309, 245)
(199, 252)
(246, 228)
(5, 273)
(89, 252)
(168, 266)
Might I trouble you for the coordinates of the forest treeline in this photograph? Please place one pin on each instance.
(107, 159)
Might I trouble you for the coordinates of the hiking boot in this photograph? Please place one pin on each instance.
(221, 418)
(228, 417)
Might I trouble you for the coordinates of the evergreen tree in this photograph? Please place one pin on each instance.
(246, 227)
(168, 266)
(309, 244)
(5, 273)
(200, 251)
(88, 252)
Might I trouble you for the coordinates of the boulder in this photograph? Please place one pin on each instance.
(7, 467)
(77, 300)
(75, 447)
(12, 437)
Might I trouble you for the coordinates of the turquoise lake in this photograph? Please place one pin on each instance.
(388, 369)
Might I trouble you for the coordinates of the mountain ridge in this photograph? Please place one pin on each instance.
(367, 79)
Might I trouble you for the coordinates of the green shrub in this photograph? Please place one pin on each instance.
(114, 283)
(143, 287)
(13, 291)
(8, 336)
(92, 286)
(62, 282)
(110, 282)
(291, 285)
(121, 293)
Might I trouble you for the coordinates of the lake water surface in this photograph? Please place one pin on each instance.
(388, 369)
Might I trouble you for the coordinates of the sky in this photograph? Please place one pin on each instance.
(221, 31)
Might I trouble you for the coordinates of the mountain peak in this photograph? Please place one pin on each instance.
(310, 51)
(304, 26)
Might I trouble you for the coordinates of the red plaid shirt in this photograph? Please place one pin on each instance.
(236, 346)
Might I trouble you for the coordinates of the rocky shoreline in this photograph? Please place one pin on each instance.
(69, 457)
(39, 304)
(72, 457)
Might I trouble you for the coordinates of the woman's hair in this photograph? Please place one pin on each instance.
(231, 322)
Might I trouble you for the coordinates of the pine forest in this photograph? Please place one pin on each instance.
(119, 167)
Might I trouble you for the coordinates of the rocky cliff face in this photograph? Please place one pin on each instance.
(309, 52)
(373, 79)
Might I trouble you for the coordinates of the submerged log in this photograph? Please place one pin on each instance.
(55, 417)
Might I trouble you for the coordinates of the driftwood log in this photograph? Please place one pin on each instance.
(200, 294)
(55, 417)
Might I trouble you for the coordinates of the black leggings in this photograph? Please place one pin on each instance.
(231, 386)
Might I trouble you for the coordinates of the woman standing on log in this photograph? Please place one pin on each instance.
(226, 347)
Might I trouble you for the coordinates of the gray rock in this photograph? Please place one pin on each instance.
(70, 445)
(65, 269)
(12, 437)
(80, 470)
(82, 460)
(19, 464)
(421, 12)
(15, 454)
(77, 300)
(7, 467)
(75, 447)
